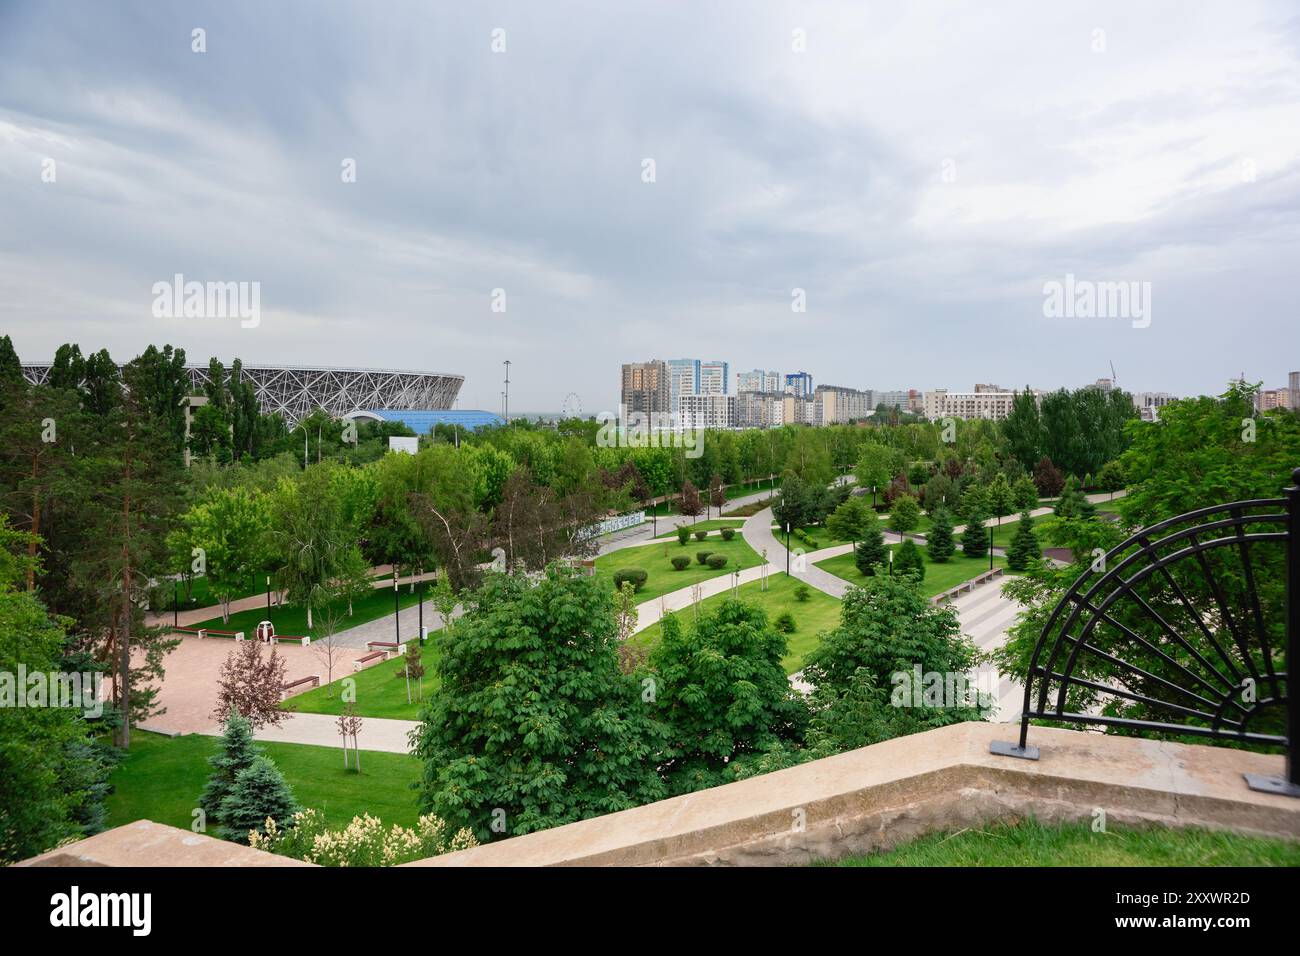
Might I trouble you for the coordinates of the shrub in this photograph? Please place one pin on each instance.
(717, 561)
(702, 556)
(680, 562)
(728, 534)
(801, 592)
(260, 792)
(637, 576)
(683, 534)
(364, 842)
(785, 623)
(701, 534)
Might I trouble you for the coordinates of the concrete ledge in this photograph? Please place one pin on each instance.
(880, 796)
(145, 843)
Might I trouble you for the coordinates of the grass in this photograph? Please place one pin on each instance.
(818, 614)
(938, 577)
(292, 619)
(713, 524)
(160, 779)
(380, 691)
(1030, 843)
(821, 538)
(656, 558)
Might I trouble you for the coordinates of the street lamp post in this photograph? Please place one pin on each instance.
(397, 626)
(787, 549)
(990, 547)
(421, 622)
(176, 597)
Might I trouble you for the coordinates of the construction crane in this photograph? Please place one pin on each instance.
(1114, 379)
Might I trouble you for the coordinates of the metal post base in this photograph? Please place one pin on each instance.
(1004, 749)
(1276, 785)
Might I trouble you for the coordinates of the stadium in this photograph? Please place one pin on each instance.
(294, 393)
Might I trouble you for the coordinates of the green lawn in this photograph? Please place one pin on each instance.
(821, 538)
(381, 690)
(656, 559)
(713, 524)
(160, 779)
(292, 619)
(1030, 843)
(818, 614)
(938, 577)
(922, 526)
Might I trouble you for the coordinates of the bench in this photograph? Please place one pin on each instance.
(966, 586)
(206, 632)
(386, 647)
(361, 662)
(302, 640)
(286, 689)
(188, 630)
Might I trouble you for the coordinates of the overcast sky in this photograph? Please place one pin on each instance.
(921, 170)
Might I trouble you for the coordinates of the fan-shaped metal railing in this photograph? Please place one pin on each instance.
(1181, 631)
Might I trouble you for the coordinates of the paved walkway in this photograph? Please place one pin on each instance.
(985, 614)
(377, 733)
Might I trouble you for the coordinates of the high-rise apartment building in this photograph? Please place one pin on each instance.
(706, 411)
(837, 405)
(760, 409)
(683, 379)
(1293, 382)
(758, 381)
(799, 384)
(1149, 404)
(715, 378)
(644, 388)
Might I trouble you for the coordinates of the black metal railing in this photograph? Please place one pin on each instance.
(1180, 630)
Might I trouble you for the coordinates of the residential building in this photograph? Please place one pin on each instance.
(758, 381)
(798, 410)
(1149, 404)
(1270, 398)
(760, 409)
(837, 405)
(715, 378)
(645, 388)
(987, 401)
(1293, 382)
(706, 411)
(799, 384)
(683, 379)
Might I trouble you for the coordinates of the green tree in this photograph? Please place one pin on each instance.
(975, 538)
(905, 515)
(1073, 503)
(235, 752)
(1024, 493)
(877, 464)
(939, 544)
(1024, 545)
(260, 791)
(723, 693)
(532, 723)
(309, 538)
(1023, 429)
(908, 560)
(870, 551)
(851, 520)
(1002, 499)
(229, 527)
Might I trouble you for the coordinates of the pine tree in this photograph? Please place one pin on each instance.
(235, 752)
(908, 560)
(870, 550)
(975, 539)
(939, 545)
(260, 791)
(1024, 545)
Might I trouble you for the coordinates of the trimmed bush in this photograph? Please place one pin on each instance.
(636, 575)
(785, 623)
(801, 592)
(728, 534)
(683, 534)
(701, 534)
(680, 562)
(702, 556)
(717, 561)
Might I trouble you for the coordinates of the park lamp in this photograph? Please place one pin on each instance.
(891, 562)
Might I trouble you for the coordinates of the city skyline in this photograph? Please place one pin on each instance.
(913, 178)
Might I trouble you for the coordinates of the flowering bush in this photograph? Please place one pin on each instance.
(363, 842)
